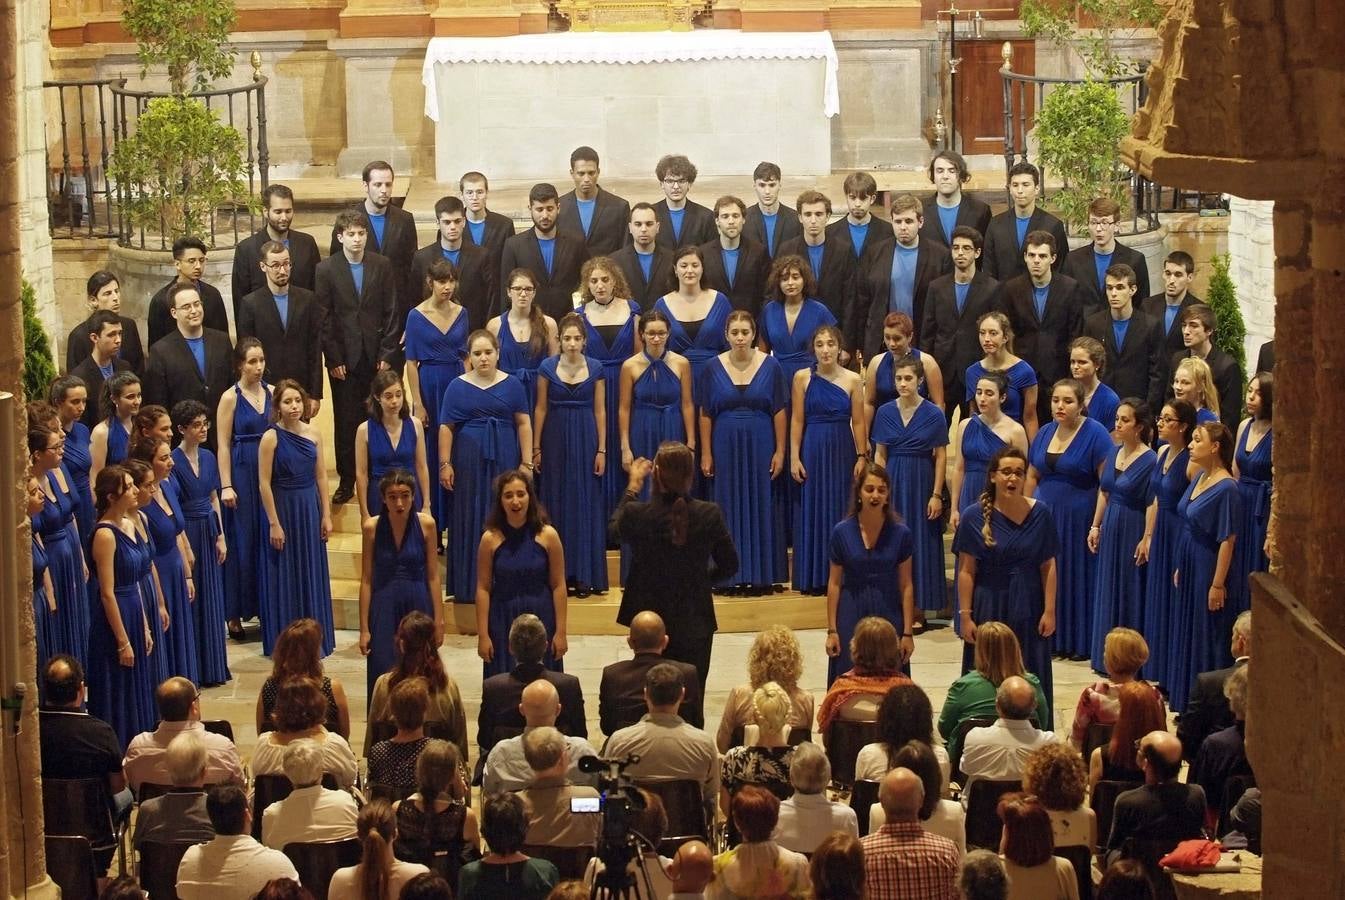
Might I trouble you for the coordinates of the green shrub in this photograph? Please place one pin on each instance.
(38, 367)
(1079, 129)
(1230, 331)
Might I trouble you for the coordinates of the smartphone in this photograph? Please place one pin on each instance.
(585, 804)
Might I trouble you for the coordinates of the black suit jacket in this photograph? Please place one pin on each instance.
(92, 376)
(1136, 368)
(607, 232)
(499, 717)
(476, 280)
(555, 292)
(953, 338)
(294, 349)
(698, 225)
(646, 291)
(248, 275)
(787, 227)
(1044, 342)
(171, 374)
(160, 314)
(1206, 710)
(1081, 266)
(1155, 307)
(972, 212)
(879, 230)
(621, 692)
(1265, 357)
(1002, 258)
(1227, 384)
(835, 286)
(749, 282)
(499, 228)
(1171, 811)
(78, 348)
(358, 328)
(397, 247)
(873, 286)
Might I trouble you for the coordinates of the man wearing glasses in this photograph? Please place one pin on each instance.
(248, 274)
(191, 362)
(179, 703)
(681, 221)
(189, 261)
(1088, 265)
(287, 320)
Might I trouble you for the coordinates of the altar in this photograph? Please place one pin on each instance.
(516, 106)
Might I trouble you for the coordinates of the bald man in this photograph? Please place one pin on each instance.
(507, 767)
(691, 871)
(1164, 809)
(179, 705)
(901, 859)
(621, 693)
(1000, 751)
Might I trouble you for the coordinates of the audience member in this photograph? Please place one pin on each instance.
(436, 825)
(1055, 775)
(1207, 709)
(180, 814)
(1124, 652)
(279, 889)
(764, 761)
(393, 762)
(378, 875)
(426, 887)
(945, 818)
(418, 656)
(808, 817)
(179, 703)
(1140, 713)
(298, 653)
(1034, 873)
(73, 743)
(692, 870)
(507, 769)
(572, 889)
(1245, 817)
(299, 710)
(1000, 751)
(758, 867)
(775, 656)
(904, 715)
(231, 866)
(551, 821)
(311, 812)
(506, 873)
(997, 656)
(123, 888)
(836, 869)
(982, 877)
(651, 823)
(621, 691)
(903, 861)
(875, 651)
(1125, 879)
(1223, 754)
(1163, 808)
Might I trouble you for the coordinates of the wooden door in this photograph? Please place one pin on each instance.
(980, 93)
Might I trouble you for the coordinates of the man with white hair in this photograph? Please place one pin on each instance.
(551, 821)
(311, 812)
(808, 817)
(1224, 753)
(180, 814)
(983, 877)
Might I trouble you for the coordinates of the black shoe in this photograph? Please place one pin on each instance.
(238, 634)
(344, 494)
(581, 591)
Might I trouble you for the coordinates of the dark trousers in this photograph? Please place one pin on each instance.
(691, 648)
(348, 410)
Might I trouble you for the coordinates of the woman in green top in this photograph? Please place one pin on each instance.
(973, 695)
(506, 873)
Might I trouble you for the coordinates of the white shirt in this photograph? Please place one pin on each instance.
(231, 867)
(269, 757)
(345, 883)
(871, 764)
(808, 819)
(948, 820)
(145, 755)
(309, 814)
(999, 752)
(507, 770)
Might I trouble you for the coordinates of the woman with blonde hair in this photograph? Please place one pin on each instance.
(876, 652)
(1193, 382)
(997, 656)
(1124, 652)
(775, 657)
(379, 875)
(765, 759)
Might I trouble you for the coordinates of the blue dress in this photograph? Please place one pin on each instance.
(622, 348)
(1008, 585)
(440, 356)
(828, 455)
(520, 584)
(571, 493)
(743, 441)
(979, 444)
(655, 411)
(176, 647)
(1160, 609)
(1021, 376)
(119, 695)
(1069, 487)
(485, 444)
(69, 631)
(77, 461)
(1102, 406)
(884, 380)
(870, 585)
(195, 493)
(709, 340)
(383, 458)
(1202, 637)
(910, 463)
(118, 441)
(245, 529)
(296, 583)
(518, 360)
(1118, 600)
(43, 618)
(1254, 483)
(398, 587)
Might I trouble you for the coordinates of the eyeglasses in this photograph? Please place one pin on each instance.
(1101, 222)
(674, 182)
(194, 304)
(283, 264)
(1163, 420)
(1011, 473)
(523, 288)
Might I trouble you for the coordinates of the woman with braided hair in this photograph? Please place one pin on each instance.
(1006, 549)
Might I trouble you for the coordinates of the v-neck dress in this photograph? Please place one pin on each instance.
(1020, 376)
(1118, 599)
(1160, 607)
(827, 452)
(398, 586)
(195, 493)
(439, 358)
(869, 582)
(1254, 484)
(517, 358)
(175, 648)
(121, 695)
(612, 356)
(55, 522)
(572, 494)
(384, 457)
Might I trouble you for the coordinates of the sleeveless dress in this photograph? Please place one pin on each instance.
(1160, 609)
(398, 587)
(195, 493)
(519, 585)
(1020, 375)
(709, 340)
(571, 493)
(518, 360)
(910, 464)
(1118, 599)
(979, 443)
(828, 455)
(176, 647)
(611, 357)
(69, 632)
(158, 660)
(655, 411)
(43, 619)
(383, 458)
(884, 380)
(118, 441)
(77, 461)
(432, 839)
(296, 583)
(244, 525)
(120, 695)
(1254, 484)
(869, 582)
(440, 355)
(1102, 406)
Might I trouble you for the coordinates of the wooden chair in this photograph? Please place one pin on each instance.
(1081, 858)
(159, 861)
(267, 789)
(983, 822)
(685, 807)
(862, 796)
(219, 726)
(797, 735)
(1103, 802)
(844, 740)
(70, 864)
(569, 861)
(317, 861)
(82, 807)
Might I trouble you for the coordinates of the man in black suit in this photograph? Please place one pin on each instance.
(1178, 270)
(553, 257)
(1045, 311)
(189, 260)
(358, 299)
(596, 217)
(860, 228)
(476, 280)
(1088, 265)
(769, 222)
(949, 207)
(954, 305)
(1207, 708)
(1132, 340)
(287, 319)
(103, 334)
(1003, 257)
(248, 274)
(621, 692)
(192, 362)
(1163, 809)
(829, 259)
(646, 265)
(894, 275)
(734, 265)
(1265, 357)
(1198, 325)
(682, 222)
(485, 228)
(104, 292)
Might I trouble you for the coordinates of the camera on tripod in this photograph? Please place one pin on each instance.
(618, 842)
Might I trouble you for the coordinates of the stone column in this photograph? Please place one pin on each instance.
(1251, 251)
(377, 69)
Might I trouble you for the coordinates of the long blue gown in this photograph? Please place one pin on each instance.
(1008, 581)
(1102, 406)
(1069, 488)
(710, 340)
(383, 458)
(612, 357)
(245, 524)
(43, 619)
(743, 441)
(440, 356)
(296, 583)
(828, 455)
(77, 461)
(979, 444)
(520, 584)
(485, 443)
(1254, 483)
(158, 659)
(195, 493)
(884, 381)
(870, 585)
(910, 463)
(1160, 607)
(65, 561)
(176, 647)
(1021, 376)
(655, 411)
(1118, 600)
(118, 441)
(1202, 637)
(572, 494)
(518, 360)
(398, 587)
(121, 695)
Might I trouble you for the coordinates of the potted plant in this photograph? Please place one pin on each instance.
(38, 367)
(1230, 330)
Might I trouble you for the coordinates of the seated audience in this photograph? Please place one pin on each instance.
(180, 814)
(808, 817)
(299, 709)
(775, 656)
(569, 890)
(982, 877)
(418, 657)
(999, 751)
(298, 654)
(1139, 714)
(1034, 873)
(506, 873)
(231, 866)
(621, 691)
(548, 794)
(311, 812)
(1125, 879)
(1055, 775)
(393, 762)
(507, 768)
(997, 656)
(279, 889)
(1245, 817)
(436, 826)
(73, 743)
(1163, 808)
(758, 867)
(904, 715)
(378, 875)
(692, 870)
(945, 818)
(1124, 652)
(427, 887)
(1223, 754)
(123, 888)
(836, 869)
(875, 650)
(179, 704)
(1207, 708)
(765, 759)
(902, 859)
(651, 823)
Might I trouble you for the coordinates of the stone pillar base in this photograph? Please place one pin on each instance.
(143, 272)
(376, 128)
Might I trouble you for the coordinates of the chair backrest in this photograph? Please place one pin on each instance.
(382, 730)
(1104, 804)
(267, 789)
(685, 807)
(317, 861)
(862, 796)
(844, 741)
(1081, 858)
(1099, 735)
(149, 790)
(966, 725)
(1148, 852)
(159, 861)
(569, 861)
(1234, 787)
(983, 823)
(389, 792)
(70, 864)
(78, 807)
(219, 726)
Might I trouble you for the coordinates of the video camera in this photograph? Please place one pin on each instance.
(618, 842)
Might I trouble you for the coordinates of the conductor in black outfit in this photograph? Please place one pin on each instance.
(680, 548)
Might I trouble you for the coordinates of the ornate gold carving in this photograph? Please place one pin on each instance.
(630, 15)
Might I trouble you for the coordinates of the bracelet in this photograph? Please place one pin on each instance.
(445, 464)
(831, 631)
(1094, 527)
(964, 612)
(909, 635)
(603, 452)
(226, 487)
(1218, 587)
(124, 646)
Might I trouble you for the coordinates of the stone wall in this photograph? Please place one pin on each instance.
(1251, 248)
(34, 234)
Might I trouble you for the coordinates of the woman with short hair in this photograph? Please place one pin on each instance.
(506, 871)
(758, 867)
(1027, 844)
(298, 714)
(1124, 652)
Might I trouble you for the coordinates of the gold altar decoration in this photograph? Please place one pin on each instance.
(631, 15)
